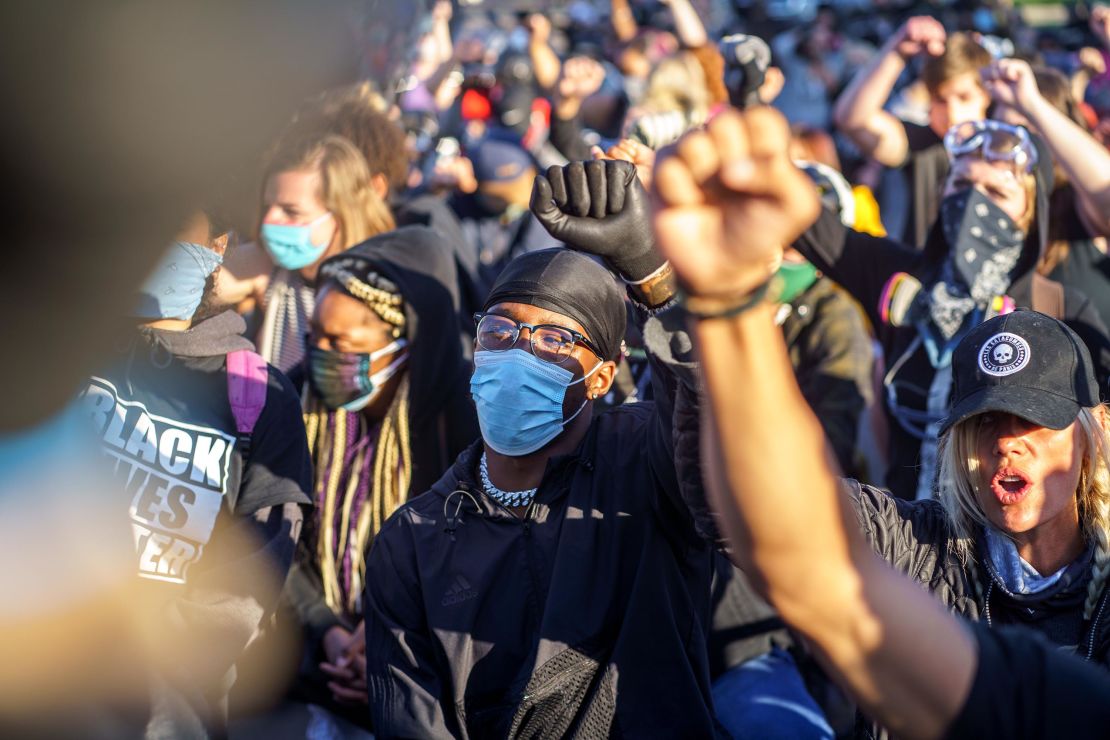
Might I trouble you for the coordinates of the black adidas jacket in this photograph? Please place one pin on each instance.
(587, 618)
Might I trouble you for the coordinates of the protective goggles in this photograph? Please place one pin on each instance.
(994, 141)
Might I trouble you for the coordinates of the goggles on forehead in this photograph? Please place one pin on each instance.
(992, 140)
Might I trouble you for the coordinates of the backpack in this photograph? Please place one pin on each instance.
(247, 379)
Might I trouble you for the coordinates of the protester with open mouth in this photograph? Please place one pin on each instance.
(1017, 533)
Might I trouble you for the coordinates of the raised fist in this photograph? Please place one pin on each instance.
(629, 150)
(599, 207)
(920, 34)
(1011, 82)
(581, 78)
(730, 200)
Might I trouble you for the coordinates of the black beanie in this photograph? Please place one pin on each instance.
(569, 283)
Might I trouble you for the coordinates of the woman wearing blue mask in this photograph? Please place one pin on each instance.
(386, 410)
(555, 582)
(317, 200)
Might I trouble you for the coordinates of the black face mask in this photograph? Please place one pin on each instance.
(984, 243)
(493, 205)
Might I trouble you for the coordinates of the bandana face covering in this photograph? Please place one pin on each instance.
(343, 380)
(519, 398)
(984, 246)
(175, 288)
(984, 243)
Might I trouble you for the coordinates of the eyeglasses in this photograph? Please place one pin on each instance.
(550, 343)
(994, 141)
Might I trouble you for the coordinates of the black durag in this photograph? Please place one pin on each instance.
(569, 283)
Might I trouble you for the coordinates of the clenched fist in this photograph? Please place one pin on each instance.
(729, 200)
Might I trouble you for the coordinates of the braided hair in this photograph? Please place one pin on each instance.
(959, 463)
(362, 468)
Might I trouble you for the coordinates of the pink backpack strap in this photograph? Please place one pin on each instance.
(247, 378)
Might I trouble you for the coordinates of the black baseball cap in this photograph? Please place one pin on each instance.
(1026, 364)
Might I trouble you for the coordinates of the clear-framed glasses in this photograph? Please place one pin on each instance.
(994, 141)
(549, 342)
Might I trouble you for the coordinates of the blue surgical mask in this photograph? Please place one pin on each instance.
(290, 245)
(343, 380)
(175, 288)
(519, 398)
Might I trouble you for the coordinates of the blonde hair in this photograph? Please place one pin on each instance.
(678, 84)
(959, 462)
(389, 465)
(345, 187)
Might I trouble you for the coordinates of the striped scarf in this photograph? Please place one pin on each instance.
(289, 305)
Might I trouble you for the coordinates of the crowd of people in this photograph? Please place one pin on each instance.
(636, 368)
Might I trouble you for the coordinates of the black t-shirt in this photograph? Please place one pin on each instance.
(1025, 687)
(926, 167)
(167, 426)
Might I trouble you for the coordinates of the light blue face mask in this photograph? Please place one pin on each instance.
(290, 245)
(519, 398)
(175, 288)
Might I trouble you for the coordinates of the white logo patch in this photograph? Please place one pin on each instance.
(1004, 354)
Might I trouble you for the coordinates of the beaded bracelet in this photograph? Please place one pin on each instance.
(742, 303)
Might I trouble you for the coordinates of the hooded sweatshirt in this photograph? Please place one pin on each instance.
(863, 264)
(215, 525)
(442, 421)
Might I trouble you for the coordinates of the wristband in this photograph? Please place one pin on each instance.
(739, 305)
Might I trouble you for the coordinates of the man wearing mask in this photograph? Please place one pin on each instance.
(207, 440)
(556, 581)
(495, 219)
(956, 94)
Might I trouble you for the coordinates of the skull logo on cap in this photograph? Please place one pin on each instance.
(1003, 354)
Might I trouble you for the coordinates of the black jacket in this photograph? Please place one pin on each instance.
(215, 530)
(915, 537)
(862, 264)
(586, 618)
(441, 414)
(831, 354)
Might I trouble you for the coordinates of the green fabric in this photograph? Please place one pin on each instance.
(796, 278)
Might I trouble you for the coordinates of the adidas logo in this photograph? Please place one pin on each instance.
(459, 592)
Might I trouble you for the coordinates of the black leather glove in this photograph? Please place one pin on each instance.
(599, 207)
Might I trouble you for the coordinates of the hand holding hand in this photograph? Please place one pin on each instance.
(599, 207)
(347, 669)
(731, 200)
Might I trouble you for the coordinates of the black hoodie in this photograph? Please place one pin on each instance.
(215, 529)
(442, 420)
(863, 264)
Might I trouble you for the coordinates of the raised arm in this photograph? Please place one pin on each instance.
(624, 23)
(731, 198)
(687, 24)
(859, 109)
(545, 62)
(1086, 162)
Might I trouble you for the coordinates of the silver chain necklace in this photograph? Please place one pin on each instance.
(508, 499)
